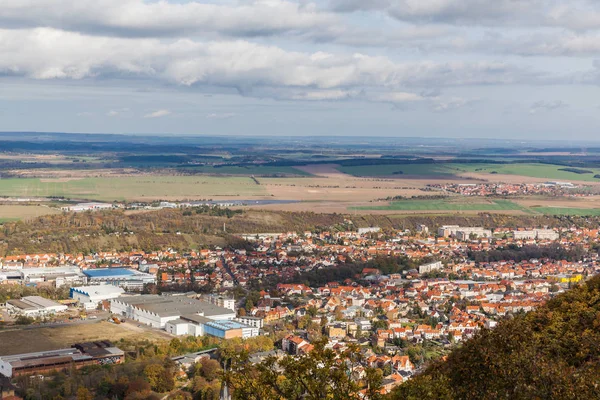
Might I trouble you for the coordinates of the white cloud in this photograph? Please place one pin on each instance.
(45, 53)
(444, 105)
(158, 114)
(544, 106)
(138, 18)
(220, 115)
(448, 11)
(112, 113)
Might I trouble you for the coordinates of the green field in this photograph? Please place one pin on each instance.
(445, 205)
(133, 188)
(255, 170)
(542, 171)
(407, 169)
(588, 212)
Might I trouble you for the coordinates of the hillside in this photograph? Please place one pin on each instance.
(154, 230)
(551, 353)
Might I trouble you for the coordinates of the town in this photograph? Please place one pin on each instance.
(404, 297)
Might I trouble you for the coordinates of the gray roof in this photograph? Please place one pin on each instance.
(174, 305)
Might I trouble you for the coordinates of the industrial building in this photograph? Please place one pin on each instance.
(34, 306)
(88, 207)
(59, 276)
(90, 296)
(156, 311)
(196, 325)
(78, 356)
(128, 279)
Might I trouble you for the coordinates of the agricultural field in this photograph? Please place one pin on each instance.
(141, 187)
(20, 341)
(541, 171)
(18, 212)
(579, 212)
(447, 205)
(399, 170)
(255, 170)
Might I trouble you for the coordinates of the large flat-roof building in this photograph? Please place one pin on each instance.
(196, 325)
(156, 311)
(129, 279)
(88, 207)
(78, 356)
(34, 306)
(90, 296)
(65, 275)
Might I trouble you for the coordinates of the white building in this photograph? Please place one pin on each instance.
(433, 266)
(156, 310)
(220, 301)
(539, 234)
(65, 275)
(34, 306)
(197, 325)
(90, 296)
(88, 207)
(255, 322)
(373, 229)
(129, 279)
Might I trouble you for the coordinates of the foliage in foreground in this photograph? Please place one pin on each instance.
(319, 375)
(551, 353)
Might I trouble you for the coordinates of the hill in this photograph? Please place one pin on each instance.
(550, 353)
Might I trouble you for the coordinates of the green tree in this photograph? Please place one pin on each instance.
(84, 394)
(318, 375)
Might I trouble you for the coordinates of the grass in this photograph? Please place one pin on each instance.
(132, 188)
(542, 171)
(445, 205)
(580, 212)
(18, 212)
(44, 339)
(256, 170)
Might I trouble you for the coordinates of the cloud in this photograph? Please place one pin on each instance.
(220, 115)
(477, 12)
(158, 114)
(544, 106)
(248, 67)
(445, 105)
(112, 113)
(138, 18)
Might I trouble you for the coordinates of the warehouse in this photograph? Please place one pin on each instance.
(196, 325)
(78, 356)
(34, 306)
(156, 310)
(128, 279)
(65, 275)
(90, 296)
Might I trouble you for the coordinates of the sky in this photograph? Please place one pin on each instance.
(514, 69)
